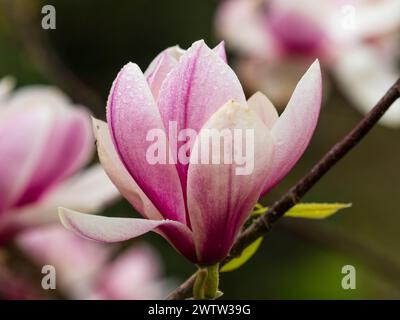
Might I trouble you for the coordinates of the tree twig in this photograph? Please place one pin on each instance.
(263, 224)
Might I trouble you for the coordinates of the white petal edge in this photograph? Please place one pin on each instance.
(107, 229)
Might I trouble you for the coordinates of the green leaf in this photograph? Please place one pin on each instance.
(308, 210)
(301, 210)
(243, 258)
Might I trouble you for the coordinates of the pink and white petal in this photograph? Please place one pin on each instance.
(220, 50)
(197, 87)
(264, 108)
(293, 130)
(119, 175)
(160, 67)
(109, 229)
(69, 146)
(365, 76)
(174, 53)
(22, 143)
(216, 215)
(132, 113)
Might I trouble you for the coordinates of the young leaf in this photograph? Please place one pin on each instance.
(243, 258)
(301, 210)
(308, 210)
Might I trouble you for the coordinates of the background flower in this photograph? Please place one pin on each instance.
(356, 39)
(87, 270)
(44, 144)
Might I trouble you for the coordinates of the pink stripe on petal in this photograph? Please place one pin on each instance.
(219, 199)
(293, 130)
(132, 114)
(197, 87)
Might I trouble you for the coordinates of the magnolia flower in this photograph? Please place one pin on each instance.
(199, 208)
(44, 142)
(85, 270)
(355, 39)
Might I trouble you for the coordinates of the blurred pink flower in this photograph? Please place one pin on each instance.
(44, 142)
(84, 269)
(356, 39)
(198, 208)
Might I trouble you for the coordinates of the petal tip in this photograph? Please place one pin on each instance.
(62, 214)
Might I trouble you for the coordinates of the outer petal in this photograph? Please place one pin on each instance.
(107, 229)
(293, 130)
(219, 200)
(181, 238)
(365, 76)
(119, 175)
(264, 108)
(200, 84)
(132, 114)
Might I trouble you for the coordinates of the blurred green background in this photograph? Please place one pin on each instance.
(298, 259)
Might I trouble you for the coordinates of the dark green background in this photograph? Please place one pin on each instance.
(94, 39)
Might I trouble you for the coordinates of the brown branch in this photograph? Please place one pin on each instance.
(263, 224)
